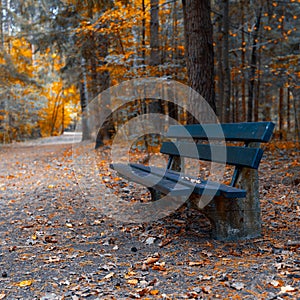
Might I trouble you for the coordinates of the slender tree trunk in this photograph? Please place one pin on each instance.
(154, 33)
(288, 107)
(257, 94)
(84, 100)
(280, 113)
(220, 71)
(199, 50)
(63, 117)
(237, 95)
(172, 107)
(143, 34)
(253, 68)
(296, 96)
(227, 79)
(243, 63)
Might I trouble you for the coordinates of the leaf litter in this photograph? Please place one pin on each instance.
(55, 245)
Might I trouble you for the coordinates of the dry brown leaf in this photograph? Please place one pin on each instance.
(159, 268)
(50, 239)
(195, 263)
(151, 260)
(275, 283)
(165, 242)
(2, 296)
(130, 274)
(132, 281)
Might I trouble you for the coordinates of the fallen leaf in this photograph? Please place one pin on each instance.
(165, 242)
(287, 289)
(110, 275)
(159, 268)
(25, 283)
(237, 286)
(150, 240)
(195, 263)
(2, 296)
(130, 274)
(154, 292)
(275, 283)
(50, 239)
(132, 281)
(151, 260)
(143, 292)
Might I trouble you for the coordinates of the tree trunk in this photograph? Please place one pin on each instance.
(296, 96)
(280, 113)
(257, 94)
(253, 69)
(288, 107)
(243, 63)
(154, 34)
(220, 71)
(199, 50)
(227, 79)
(84, 100)
(143, 34)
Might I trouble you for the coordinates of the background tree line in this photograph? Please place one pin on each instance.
(241, 55)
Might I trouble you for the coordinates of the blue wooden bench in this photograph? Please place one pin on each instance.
(234, 211)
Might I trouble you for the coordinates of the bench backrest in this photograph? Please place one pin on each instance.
(239, 156)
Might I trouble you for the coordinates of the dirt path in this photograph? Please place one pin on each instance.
(55, 245)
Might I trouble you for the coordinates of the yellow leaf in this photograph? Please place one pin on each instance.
(130, 274)
(25, 283)
(132, 281)
(154, 292)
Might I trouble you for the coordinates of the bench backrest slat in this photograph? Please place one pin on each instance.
(237, 156)
(245, 132)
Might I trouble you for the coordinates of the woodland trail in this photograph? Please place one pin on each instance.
(56, 245)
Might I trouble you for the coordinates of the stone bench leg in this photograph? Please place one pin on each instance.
(234, 219)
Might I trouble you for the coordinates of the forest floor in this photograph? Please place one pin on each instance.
(55, 245)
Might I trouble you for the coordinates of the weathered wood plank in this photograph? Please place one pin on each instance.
(210, 188)
(243, 132)
(231, 155)
(152, 181)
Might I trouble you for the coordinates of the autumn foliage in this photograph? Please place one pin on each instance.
(55, 58)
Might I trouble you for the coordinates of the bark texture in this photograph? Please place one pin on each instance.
(199, 49)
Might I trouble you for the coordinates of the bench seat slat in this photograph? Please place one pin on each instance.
(237, 156)
(242, 132)
(208, 186)
(142, 177)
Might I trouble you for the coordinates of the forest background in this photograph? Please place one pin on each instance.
(56, 56)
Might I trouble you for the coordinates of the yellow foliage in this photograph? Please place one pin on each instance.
(60, 110)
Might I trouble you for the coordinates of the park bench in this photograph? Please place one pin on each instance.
(234, 210)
